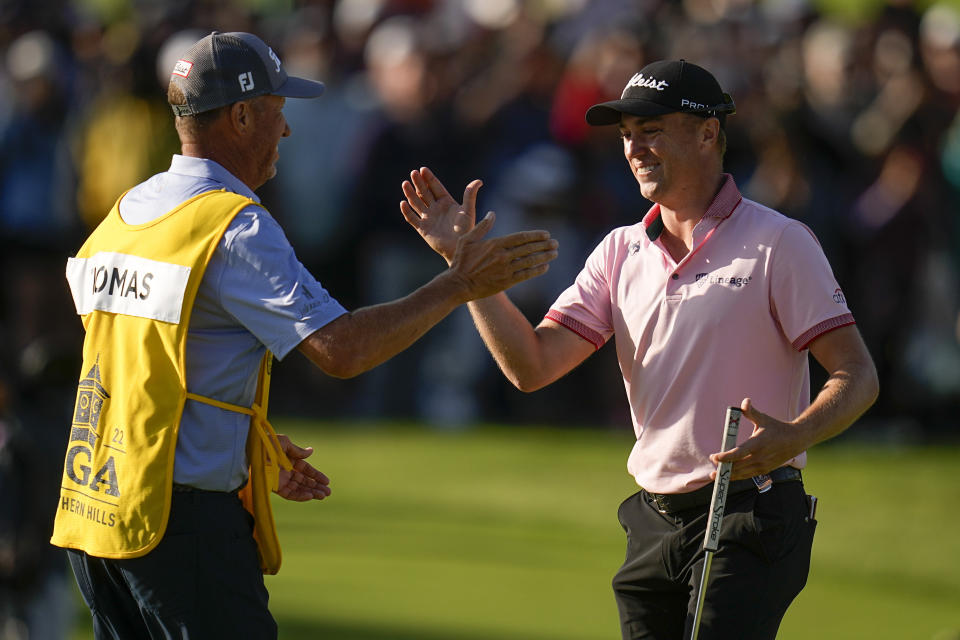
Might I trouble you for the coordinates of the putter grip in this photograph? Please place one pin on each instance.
(719, 500)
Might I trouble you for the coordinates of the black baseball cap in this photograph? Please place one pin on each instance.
(666, 86)
(223, 68)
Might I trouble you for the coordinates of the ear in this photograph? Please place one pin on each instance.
(241, 116)
(710, 132)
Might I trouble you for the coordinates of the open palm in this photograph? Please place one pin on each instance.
(432, 211)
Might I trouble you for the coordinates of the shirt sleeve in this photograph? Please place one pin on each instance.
(805, 296)
(265, 287)
(585, 306)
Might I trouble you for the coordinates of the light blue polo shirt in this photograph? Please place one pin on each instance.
(255, 294)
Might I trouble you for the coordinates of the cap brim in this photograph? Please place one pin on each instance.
(607, 113)
(299, 88)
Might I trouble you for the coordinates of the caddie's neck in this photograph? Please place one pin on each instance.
(225, 155)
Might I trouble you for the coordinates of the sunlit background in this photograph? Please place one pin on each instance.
(847, 119)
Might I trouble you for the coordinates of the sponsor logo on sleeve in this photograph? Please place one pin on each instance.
(838, 297)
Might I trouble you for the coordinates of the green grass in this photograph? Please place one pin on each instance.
(511, 534)
(858, 12)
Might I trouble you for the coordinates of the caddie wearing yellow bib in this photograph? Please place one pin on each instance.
(186, 290)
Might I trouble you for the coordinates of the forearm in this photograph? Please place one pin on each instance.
(845, 396)
(509, 336)
(362, 339)
(529, 358)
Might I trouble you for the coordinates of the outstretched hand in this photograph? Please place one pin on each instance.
(771, 445)
(432, 211)
(484, 266)
(303, 482)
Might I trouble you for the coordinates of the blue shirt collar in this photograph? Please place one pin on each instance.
(210, 170)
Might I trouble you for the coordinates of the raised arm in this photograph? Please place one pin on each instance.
(529, 357)
(479, 267)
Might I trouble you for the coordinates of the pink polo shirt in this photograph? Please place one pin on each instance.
(731, 320)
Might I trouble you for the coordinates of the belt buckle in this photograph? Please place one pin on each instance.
(661, 503)
(763, 482)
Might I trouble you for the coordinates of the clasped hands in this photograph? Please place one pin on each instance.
(303, 482)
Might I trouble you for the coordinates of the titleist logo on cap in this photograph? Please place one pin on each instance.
(651, 83)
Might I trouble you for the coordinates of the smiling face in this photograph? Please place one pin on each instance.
(666, 154)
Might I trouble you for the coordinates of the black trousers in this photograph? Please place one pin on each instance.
(202, 581)
(759, 568)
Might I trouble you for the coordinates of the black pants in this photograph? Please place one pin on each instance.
(202, 581)
(761, 565)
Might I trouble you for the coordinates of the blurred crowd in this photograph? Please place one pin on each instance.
(847, 122)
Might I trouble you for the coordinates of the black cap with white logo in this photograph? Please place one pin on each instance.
(666, 86)
(224, 68)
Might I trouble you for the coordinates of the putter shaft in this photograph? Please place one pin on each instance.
(718, 503)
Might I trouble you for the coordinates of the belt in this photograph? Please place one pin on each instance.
(185, 488)
(675, 502)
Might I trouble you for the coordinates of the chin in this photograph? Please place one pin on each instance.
(649, 190)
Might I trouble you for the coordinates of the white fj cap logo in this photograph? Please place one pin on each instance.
(246, 81)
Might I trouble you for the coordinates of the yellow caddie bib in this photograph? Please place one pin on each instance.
(134, 287)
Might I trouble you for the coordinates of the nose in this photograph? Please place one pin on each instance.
(633, 146)
(286, 128)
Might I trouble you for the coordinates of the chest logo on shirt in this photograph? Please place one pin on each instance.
(703, 279)
(635, 248)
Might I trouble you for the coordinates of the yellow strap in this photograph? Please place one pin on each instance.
(262, 427)
(222, 405)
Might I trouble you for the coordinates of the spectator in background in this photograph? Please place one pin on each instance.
(128, 106)
(36, 176)
(825, 97)
(412, 124)
(36, 596)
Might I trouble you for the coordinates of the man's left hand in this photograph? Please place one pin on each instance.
(303, 482)
(771, 445)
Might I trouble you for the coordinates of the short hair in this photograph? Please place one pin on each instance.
(197, 122)
(721, 132)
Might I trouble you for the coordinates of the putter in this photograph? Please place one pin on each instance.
(717, 504)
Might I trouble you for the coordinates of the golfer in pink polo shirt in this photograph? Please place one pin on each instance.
(713, 300)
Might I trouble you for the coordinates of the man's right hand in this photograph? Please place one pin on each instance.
(488, 266)
(485, 266)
